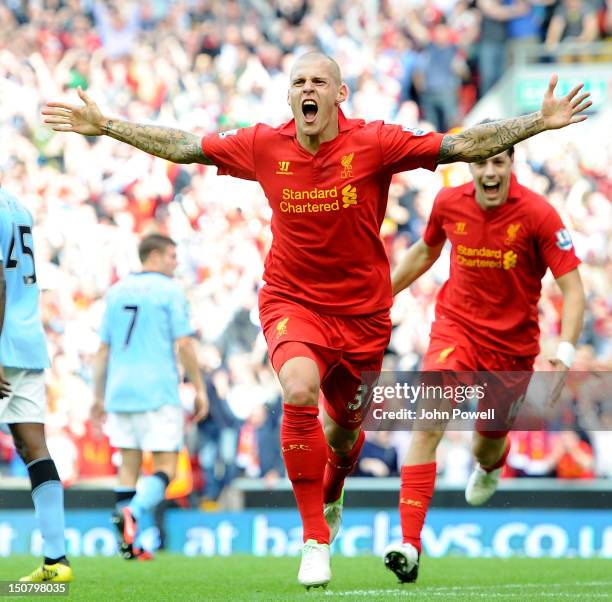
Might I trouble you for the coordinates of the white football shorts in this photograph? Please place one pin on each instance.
(27, 401)
(155, 430)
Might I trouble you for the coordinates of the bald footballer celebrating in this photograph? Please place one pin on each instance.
(325, 304)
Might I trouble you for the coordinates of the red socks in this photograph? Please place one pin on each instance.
(415, 494)
(305, 454)
(502, 460)
(338, 467)
(416, 490)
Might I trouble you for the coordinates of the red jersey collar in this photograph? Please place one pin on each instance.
(514, 190)
(344, 124)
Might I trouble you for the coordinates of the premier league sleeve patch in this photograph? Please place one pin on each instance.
(564, 240)
(414, 131)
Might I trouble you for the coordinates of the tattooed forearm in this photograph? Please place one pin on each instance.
(168, 143)
(488, 139)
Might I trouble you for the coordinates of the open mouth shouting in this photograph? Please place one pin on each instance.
(310, 110)
(491, 189)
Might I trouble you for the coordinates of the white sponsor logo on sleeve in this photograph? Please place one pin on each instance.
(228, 133)
(414, 131)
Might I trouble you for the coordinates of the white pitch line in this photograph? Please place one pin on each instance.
(361, 591)
(516, 586)
(542, 594)
(458, 590)
(398, 593)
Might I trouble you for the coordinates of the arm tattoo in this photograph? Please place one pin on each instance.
(488, 139)
(168, 143)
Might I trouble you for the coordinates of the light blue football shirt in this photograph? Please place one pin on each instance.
(22, 343)
(145, 314)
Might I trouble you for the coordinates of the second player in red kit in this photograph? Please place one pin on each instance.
(504, 238)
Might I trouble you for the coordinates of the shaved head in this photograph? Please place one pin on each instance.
(316, 55)
(315, 94)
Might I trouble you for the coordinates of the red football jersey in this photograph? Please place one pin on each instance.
(327, 208)
(498, 260)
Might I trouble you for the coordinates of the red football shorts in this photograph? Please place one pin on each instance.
(342, 346)
(508, 378)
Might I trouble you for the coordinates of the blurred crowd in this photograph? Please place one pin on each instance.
(208, 65)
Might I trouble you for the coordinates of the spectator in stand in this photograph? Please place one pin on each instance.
(119, 26)
(602, 442)
(465, 20)
(378, 457)
(573, 21)
(218, 439)
(524, 30)
(271, 465)
(492, 49)
(454, 459)
(574, 456)
(531, 454)
(437, 77)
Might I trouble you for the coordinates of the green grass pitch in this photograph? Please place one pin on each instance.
(235, 578)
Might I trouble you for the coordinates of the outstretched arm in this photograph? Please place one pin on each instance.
(489, 139)
(168, 143)
(172, 144)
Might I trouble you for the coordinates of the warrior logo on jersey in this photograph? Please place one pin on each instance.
(512, 232)
(283, 168)
(460, 228)
(347, 167)
(564, 240)
(281, 328)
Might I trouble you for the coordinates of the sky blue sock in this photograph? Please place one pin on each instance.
(48, 498)
(147, 520)
(150, 492)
